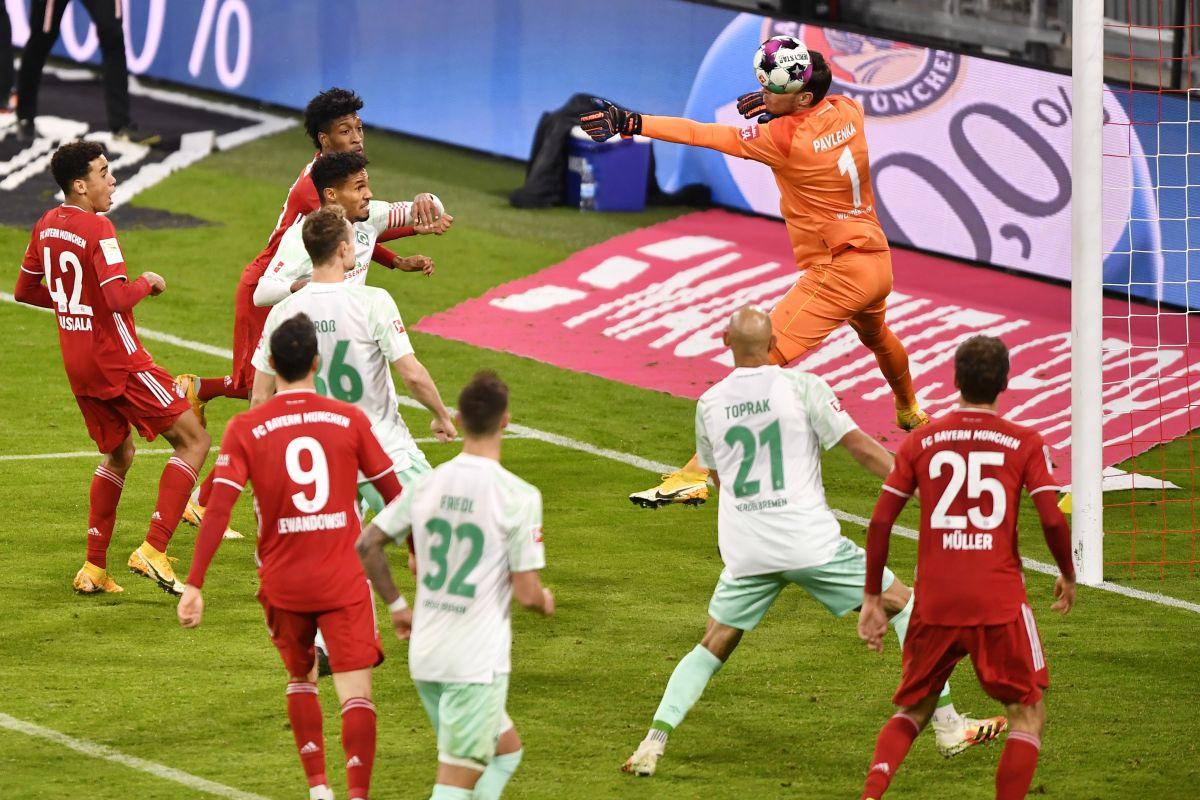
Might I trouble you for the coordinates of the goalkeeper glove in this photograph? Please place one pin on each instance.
(751, 105)
(608, 120)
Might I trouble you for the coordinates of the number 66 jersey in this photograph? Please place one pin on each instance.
(970, 466)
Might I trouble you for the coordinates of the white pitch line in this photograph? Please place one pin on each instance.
(155, 451)
(117, 757)
(659, 467)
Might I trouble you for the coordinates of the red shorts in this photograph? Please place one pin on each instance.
(248, 323)
(351, 636)
(1008, 659)
(150, 403)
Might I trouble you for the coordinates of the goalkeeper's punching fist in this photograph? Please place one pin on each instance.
(608, 120)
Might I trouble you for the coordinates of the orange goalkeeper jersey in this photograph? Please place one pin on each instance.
(819, 157)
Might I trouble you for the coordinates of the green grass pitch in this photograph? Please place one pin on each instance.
(793, 714)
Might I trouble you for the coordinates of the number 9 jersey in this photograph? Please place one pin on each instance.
(970, 466)
(303, 452)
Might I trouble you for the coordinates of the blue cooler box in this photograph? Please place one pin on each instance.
(620, 168)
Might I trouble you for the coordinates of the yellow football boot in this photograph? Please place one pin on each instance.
(909, 419)
(188, 384)
(93, 580)
(149, 563)
(682, 486)
(193, 514)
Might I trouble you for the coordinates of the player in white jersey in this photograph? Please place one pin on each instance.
(761, 431)
(477, 534)
(341, 179)
(360, 337)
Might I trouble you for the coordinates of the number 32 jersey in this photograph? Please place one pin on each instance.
(303, 452)
(473, 524)
(763, 429)
(970, 466)
(78, 253)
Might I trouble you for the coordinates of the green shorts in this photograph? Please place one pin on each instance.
(837, 584)
(467, 717)
(369, 497)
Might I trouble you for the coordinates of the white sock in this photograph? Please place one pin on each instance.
(945, 715)
(657, 735)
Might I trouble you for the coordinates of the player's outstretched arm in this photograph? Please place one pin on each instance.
(420, 385)
(528, 589)
(1057, 531)
(370, 546)
(868, 453)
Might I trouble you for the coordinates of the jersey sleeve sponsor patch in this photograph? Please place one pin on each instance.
(112, 251)
(748, 133)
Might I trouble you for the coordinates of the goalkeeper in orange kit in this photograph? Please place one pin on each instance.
(816, 146)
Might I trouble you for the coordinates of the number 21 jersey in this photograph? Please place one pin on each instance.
(970, 466)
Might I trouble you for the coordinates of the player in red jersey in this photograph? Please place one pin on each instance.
(969, 466)
(332, 122)
(303, 453)
(115, 381)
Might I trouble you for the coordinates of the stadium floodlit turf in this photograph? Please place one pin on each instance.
(794, 713)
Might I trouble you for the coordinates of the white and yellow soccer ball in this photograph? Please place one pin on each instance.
(783, 65)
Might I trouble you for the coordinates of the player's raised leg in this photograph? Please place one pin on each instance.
(105, 494)
(191, 443)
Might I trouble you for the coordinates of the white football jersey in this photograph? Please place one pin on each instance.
(762, 429)
(359, 335)
(473, 524)
(291, 262)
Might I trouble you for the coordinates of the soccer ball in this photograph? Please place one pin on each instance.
(783, 65)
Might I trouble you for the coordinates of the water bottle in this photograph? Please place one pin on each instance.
(587, 187)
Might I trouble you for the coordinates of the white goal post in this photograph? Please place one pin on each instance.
(1087, 77)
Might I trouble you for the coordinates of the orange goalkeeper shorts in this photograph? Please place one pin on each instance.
(854, 289)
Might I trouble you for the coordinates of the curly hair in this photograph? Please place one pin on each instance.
(329, 105)
(73, 161)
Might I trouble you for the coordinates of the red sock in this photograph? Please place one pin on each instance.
(358, 740)
(206, 488)
(174, 488)
(1017, 764)
(304, 712)
(214, 387)
(890, 749)
(102, 514)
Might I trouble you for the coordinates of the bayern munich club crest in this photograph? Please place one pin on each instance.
(889, 78)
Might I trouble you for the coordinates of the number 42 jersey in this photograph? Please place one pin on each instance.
(78, 253)
(970, 466)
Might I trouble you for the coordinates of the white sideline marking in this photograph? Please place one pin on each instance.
(661, 468)
(156, 451)
(117, 757)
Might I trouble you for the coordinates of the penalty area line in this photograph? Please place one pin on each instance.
(659, 467)
(156, 451)
(106, 753)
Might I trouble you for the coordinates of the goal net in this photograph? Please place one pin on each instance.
(1137, 322)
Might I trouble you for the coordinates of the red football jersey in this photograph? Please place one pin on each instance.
(303, 452)
(970, 466)
(302, 200)
(78, 253)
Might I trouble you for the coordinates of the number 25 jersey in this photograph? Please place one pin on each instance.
(970, 466)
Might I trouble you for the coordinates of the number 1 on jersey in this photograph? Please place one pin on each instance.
(846, 166)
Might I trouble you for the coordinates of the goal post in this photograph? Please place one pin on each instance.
(1087, 257)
